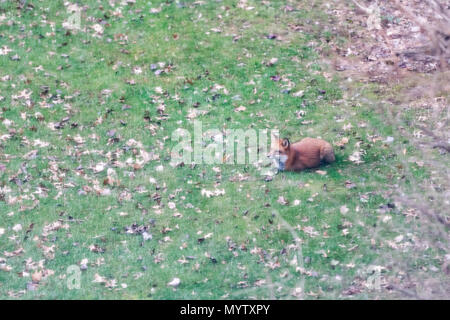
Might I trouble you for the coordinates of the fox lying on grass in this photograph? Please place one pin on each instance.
(305, 154)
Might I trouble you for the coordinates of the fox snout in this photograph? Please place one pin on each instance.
(278, 160)
(270, 155)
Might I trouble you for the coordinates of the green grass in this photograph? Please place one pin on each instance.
(76, 68)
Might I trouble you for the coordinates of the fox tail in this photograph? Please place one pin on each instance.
(327, 153)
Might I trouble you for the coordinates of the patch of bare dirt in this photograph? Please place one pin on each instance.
(386, 40)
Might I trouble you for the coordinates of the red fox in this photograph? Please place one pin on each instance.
(305, 154)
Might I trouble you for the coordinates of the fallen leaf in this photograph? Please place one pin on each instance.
(174, 283)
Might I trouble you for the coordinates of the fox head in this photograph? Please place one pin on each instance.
(279, 152)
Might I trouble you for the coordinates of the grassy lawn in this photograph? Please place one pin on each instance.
(86, 119)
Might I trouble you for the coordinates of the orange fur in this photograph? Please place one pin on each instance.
(305, 154)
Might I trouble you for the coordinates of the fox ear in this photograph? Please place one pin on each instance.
(285, 143)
